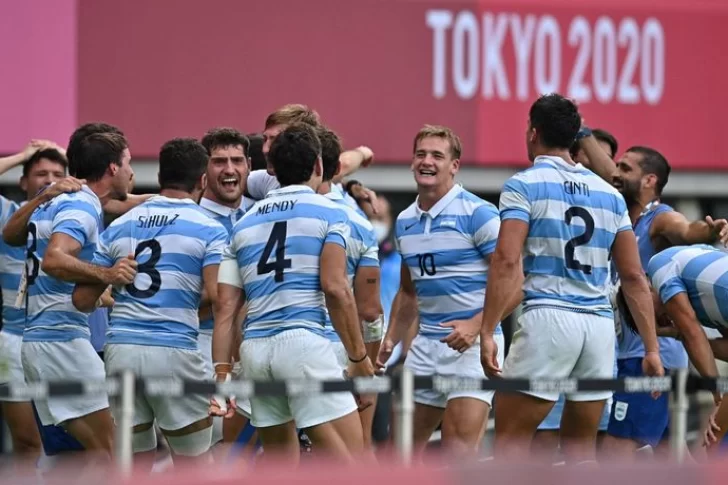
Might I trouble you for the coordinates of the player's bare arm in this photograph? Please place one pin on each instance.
(7, 163)
(342, 307)
(353, 160)
(599, 161)
(505, 279)
(118, 207)
(638, 297)
(369, 307)
(676, 228)
(87, 297)
(15, 232)
(693, 336)
(61, 261)
(403, 314)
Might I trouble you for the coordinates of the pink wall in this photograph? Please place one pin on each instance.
(37, 71)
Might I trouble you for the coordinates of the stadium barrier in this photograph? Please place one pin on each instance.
(125, 386)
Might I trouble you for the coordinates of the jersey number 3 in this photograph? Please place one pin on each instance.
(581, 239)
(277, 241)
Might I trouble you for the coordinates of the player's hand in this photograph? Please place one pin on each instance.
(710, 438)
(489, 356)
(464, 333)
(66, 185)
(652, 367)
(221, 405)
(368, 155)
(36, 145)
(365, 368)
(105, 300)
(123, 272)
(385, 352)
(364, 195)
(718, 229)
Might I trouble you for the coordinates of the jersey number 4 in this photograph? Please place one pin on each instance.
(277, 241)
(580, 240)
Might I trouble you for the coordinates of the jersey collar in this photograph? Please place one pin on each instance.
(334, 195)
(219, 209)
(558, 162)
(437, 209)
(290, 190)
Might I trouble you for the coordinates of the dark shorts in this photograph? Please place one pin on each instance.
(637, 416)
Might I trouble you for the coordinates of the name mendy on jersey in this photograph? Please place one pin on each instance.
(157, 220)
(576, 188)
(280, 206)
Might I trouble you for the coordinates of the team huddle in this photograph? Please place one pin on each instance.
(274, 274)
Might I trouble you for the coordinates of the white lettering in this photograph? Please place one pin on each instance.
(580, 34)
(439, 21)
(652, 72)
(629, 37)
(548, 78)
(465, 46)
(522, 34)
(494, 72)
(604, 61)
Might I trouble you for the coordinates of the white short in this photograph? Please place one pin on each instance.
(11, 365)
(75, 360)
(560, 344)
(429, 356)
(294, 354)
(171, 413)
(341, 356)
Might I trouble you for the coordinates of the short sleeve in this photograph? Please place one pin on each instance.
(515, 202)
(485, 227)
(624, 223)
(337, 228)
(102, 255)
(229, 272)
(370, 257)
(75, 218)
(260, 182)
(665, 277)
(7, 209)
(216, 243)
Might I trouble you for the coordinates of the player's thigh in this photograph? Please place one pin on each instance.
(54, 361)
(256, 355)
(636, 417)
(21, 423)
(596, 360)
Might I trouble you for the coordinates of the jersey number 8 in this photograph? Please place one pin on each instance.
(580, 240)
(148, 267)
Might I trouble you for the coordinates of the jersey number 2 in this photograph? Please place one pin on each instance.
(581, 239)
(277, 241)
(148, 267)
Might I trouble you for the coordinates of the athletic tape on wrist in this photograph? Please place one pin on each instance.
(372, 331)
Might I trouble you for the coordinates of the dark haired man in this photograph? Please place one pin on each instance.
(565, 224)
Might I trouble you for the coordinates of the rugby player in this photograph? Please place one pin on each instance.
(546, 441)
(565, 222)
(154, 320)
(62, 236)
(43, 164)
(287, 258)
(223, 200)
(641, 175)
(446, 238)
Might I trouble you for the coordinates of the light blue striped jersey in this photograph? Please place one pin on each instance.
(51, 315)
(362, 249)
(277, 245)
(574, 217)
(348, 199)
(445, 250)
(227, 217)
(172, 240)
(11, 267)
(701, 272)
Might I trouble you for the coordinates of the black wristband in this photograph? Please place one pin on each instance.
(349, 185)
(357, 361)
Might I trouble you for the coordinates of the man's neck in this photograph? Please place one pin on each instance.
(175, 194)
(636, 207)
(207, 194)
(102, 189)
(427, 197)
(324, 188)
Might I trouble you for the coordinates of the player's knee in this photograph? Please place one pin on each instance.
(143, 441)
(194, 444)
